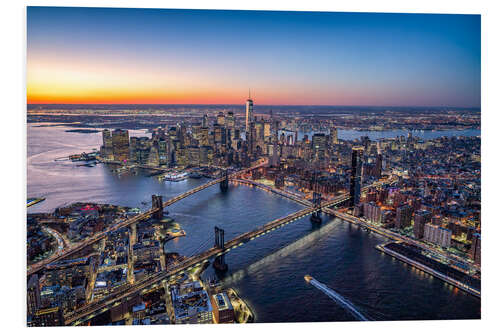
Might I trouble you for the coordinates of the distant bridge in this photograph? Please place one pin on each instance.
(91, 310)
(133, 220)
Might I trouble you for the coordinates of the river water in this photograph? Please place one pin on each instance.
(269, 271)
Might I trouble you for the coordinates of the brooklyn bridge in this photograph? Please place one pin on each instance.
(215, 253)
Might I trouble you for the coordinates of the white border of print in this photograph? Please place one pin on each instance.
(13, 193)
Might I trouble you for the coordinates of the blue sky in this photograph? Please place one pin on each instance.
(197, 56)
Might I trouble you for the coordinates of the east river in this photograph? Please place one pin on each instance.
(268, 273)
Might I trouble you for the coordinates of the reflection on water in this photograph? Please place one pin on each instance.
(267, 272)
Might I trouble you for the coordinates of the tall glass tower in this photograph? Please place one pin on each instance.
(249, 113)
(355, 183)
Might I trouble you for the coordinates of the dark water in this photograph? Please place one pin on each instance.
(267, 272)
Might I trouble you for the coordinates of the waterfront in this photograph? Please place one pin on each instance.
(267, 273)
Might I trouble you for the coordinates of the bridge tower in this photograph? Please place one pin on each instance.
(157, 202)
(224, 185)
(219, 262)
(316, 216)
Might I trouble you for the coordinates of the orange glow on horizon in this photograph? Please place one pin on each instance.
(59, 79)
(134, 98)
(104, 96)
(153, 95)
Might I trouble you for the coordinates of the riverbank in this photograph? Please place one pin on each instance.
(242, 312)
(432, 271)
(285, 298)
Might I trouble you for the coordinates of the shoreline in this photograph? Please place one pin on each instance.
(75, 126)
(246, 310)
(428, 270)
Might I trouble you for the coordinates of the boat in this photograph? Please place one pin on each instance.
(195, 175)
(83, 157)
(175, 176)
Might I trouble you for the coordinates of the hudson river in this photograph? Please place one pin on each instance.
(268, 272)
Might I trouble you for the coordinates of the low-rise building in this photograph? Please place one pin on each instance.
(222, 308)
(191, 304)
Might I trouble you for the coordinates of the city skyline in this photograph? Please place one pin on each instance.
(79, 56)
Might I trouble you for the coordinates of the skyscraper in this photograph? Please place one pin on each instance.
(378, 165)
(106, 138)
(334, 136)
(355, 183)
(154, 156)
(204, 122)
(275, 158)
(319, 146)
(259, 133)
(403, 216)
(133, 148)
(218, 133)
(421, 218)
(267, 130)
(204, 136)
(230, 120)
(182, 135)
(120, 145)
(221, 119)
(163, 151)
(249, 113)
(251, 139)
(107, 145)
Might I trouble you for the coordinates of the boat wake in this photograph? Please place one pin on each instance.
(339, 299)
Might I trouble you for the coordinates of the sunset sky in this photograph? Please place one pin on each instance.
(100, 55)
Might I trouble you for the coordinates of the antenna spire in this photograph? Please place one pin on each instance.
(249, 94)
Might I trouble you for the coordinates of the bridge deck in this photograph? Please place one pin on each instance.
(125, 223)
(90, 310)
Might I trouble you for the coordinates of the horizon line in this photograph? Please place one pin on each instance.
(257, 105)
